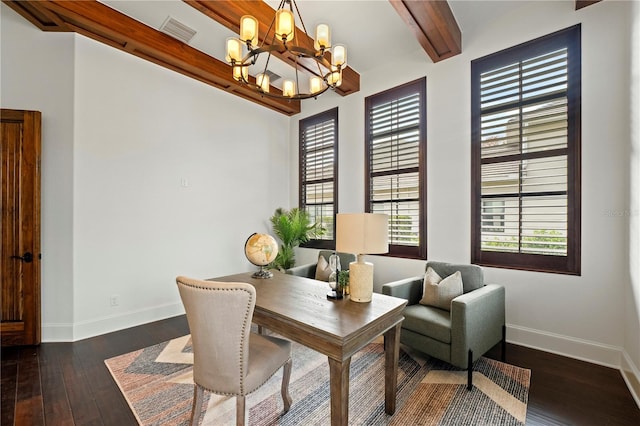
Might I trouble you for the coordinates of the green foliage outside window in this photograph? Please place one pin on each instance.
(543, 241)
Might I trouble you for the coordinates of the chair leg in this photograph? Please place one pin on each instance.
(196, 408)
(286, 377)
(470, 370)
(504, 343)
(240, 410)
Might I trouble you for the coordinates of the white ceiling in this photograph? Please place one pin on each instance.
(370, 29)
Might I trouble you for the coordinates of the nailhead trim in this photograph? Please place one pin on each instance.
(247, 319)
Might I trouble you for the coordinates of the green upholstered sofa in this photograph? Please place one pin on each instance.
(474, 325)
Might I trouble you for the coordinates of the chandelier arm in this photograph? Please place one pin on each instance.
(273, 21)
(299, 96)
(304, 28)
(297, 50)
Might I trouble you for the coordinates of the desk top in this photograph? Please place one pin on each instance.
(298, 308)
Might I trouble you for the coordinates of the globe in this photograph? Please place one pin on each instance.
(261, 250)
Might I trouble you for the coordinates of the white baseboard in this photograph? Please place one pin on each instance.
(584, 350)
(631, 376)
(57, 332)
(108, 324)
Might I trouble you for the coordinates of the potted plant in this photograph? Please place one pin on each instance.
(292, 227)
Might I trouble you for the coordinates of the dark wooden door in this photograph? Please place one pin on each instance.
(20, 250)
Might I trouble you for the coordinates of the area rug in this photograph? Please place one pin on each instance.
(158, 385)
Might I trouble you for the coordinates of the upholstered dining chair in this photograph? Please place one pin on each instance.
(227, 358)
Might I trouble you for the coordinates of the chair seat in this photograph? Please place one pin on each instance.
(266, 355)
(428, 321)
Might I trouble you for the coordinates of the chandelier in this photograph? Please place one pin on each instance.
(284, 41)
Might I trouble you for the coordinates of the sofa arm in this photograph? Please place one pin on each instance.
(477, 319)
(307, 271)
(409, 289)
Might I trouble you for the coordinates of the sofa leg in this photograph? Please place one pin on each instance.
(504, 343)
(470, 370)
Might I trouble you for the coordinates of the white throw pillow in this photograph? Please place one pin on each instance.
(322, 269)
(439, 292)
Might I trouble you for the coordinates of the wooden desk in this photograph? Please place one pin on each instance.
(298, 309)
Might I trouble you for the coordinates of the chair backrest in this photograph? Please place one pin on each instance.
(472, 275)
(219, 316)
(345, 258)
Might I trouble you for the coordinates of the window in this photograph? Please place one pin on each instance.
(395, 175)
(318, 141)
(525, 108)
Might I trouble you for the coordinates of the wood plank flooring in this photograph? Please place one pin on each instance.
(68, 383)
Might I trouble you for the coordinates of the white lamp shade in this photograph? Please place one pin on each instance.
(285, 25)
(234, 50)
(240, 73)
(249, 29)
(323, 37)
(362, 233)
(288, 88)
(339, 57)
(262, 80)
(315, 84)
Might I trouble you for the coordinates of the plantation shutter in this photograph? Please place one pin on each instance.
(527, 146)
(395, 141)
(318, 171)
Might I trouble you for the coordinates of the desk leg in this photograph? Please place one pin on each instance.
(339, 379)
(391, 355)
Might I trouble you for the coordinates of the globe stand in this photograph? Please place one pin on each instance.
(262, 274)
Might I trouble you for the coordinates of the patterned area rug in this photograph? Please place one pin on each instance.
(157, 384)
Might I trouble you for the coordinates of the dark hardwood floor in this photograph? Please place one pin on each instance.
(68, 383)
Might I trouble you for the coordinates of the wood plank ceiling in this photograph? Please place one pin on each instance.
(431, 21)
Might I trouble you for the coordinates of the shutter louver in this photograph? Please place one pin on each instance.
(394, 146)
(523, 150)
(318, 140)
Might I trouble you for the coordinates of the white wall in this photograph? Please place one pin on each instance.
(37, 74)
(581, 316)
(120, 135)
(631, 364)
(140, 131)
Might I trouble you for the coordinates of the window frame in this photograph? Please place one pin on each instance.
(568, 38)
(416, 86)
(331, 114)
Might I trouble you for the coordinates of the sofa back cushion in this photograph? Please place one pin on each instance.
(472, 276)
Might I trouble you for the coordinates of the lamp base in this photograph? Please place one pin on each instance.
(361, 281)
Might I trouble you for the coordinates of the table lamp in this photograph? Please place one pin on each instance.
(362, 233)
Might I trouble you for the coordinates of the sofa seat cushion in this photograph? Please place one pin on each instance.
(428, 321)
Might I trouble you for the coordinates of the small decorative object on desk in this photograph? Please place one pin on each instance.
(261, 250)
(343, 282)
(334, 265)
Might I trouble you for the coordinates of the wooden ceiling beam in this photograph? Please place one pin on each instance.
(229, 12)
(101, 23)
(433, 25)
(584, 3)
